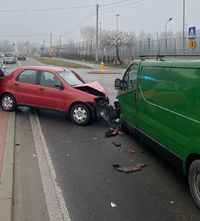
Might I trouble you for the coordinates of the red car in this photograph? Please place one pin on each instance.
(51, 88)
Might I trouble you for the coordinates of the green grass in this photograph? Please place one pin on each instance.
(116, 65)
(58, 62)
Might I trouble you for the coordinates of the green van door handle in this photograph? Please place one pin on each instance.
(135, 96)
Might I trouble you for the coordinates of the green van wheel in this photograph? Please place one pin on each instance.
(194, 181)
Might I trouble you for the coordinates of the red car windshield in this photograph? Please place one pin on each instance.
(69, 77)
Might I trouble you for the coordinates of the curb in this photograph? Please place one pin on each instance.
(6, 186)
(106, 72)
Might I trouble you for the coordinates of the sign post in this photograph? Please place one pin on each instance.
(192, 37)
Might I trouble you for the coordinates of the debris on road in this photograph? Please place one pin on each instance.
(113, 204)
(129, 169)
(111, 132)
(131, 151)
(116, 143)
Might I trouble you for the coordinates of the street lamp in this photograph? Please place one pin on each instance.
(183, 26)
(166, 34)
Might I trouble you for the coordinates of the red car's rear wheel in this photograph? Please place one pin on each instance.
(8, 103)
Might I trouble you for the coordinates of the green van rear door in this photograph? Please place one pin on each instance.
(127, 97)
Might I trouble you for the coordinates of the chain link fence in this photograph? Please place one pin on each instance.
(174, 47)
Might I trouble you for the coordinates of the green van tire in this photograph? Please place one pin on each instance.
(194, 181)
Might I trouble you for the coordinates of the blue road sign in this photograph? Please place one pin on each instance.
(192, 33)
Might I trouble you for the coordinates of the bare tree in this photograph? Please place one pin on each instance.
(88, 33)
(6, 46)
(21, 46)
(115, 40)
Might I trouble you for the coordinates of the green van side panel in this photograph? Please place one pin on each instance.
(126, 100)
(168, 105)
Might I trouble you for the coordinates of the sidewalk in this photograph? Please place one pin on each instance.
(7, 129)
(3, 134)
(96, 67)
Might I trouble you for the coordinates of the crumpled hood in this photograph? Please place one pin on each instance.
(95, 85)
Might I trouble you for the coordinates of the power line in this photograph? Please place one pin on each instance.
(13, 10)
(133, 5)
(87, 18)
(45, 9)
(124, 5)
(114, 3)
(25, 35)
(59, 9)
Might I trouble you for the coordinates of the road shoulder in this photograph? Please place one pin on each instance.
(6, 186)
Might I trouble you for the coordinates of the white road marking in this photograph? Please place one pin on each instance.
(53, 194)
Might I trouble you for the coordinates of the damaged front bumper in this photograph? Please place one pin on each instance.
(106, 111)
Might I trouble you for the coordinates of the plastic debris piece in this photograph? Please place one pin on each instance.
(129, 169)
(116, 143)
(110, 132)
(94, 138)
(132, 151)
(116, 165)
(34, 155)
(171, 202)
(113, 204)
(116, 132)
(67, 155)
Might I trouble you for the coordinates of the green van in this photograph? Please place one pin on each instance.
(160, 102)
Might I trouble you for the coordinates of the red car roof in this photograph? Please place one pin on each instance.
(44, 68)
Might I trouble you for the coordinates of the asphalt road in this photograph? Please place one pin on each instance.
(92, 189)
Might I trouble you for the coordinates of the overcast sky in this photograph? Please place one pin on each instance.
(34, 20)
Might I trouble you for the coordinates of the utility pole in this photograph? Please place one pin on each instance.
(117, 43)
(51, 40)
(183, 27)
(97, 34)
(60, 45)
(117, 16)
(100, 43)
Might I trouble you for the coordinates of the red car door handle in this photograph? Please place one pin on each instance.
(41, 89)
(15, 84)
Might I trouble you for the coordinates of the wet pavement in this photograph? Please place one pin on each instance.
(3, 133)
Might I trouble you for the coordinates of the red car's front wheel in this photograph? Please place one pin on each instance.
(80, 114)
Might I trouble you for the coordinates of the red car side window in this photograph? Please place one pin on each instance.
(49, 79)
(27, 76)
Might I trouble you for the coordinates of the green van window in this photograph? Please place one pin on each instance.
(130, 78)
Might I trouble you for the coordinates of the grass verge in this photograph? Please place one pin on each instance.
(58, 62)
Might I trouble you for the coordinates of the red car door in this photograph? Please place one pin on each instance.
(24, 87)
(50, 92)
